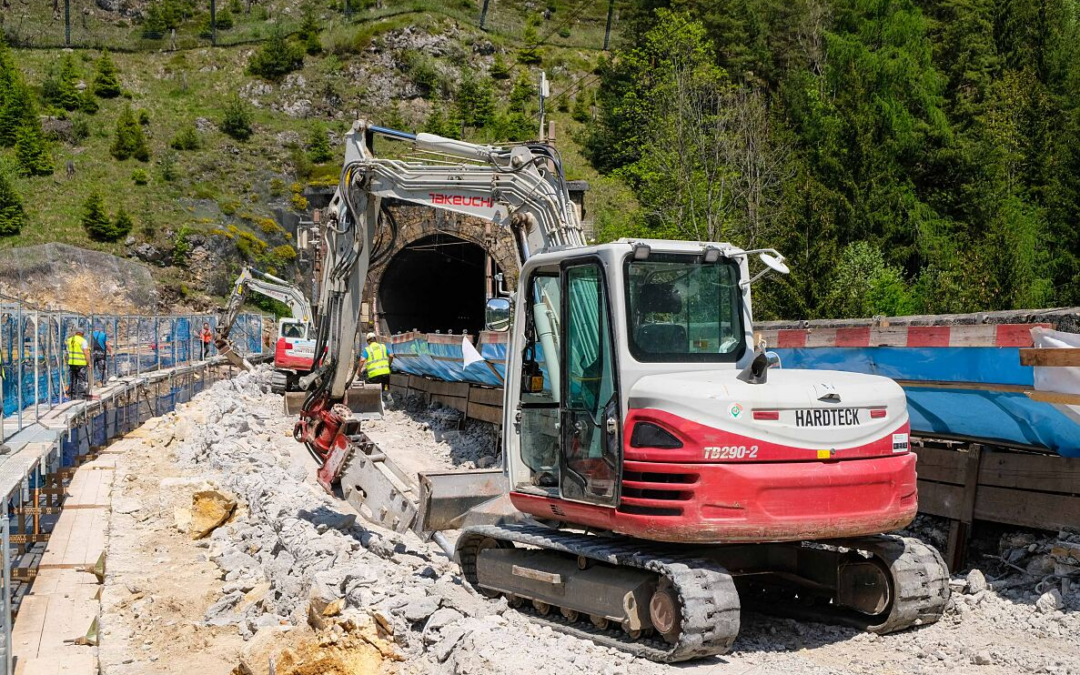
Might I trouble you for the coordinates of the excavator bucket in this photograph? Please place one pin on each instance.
(226, 349)
(365, 400)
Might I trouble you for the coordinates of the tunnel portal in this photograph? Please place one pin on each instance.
(435, 283)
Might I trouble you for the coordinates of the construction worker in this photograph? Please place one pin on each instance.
(100, 348)
(375, 362)
(206, 336)
(78, 356)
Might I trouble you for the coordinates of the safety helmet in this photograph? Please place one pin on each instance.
(371, 337)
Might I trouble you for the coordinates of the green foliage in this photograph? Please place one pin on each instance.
(167, 167)
(16, 108)
(283, 255)
(476, 101)
(319, 145)
(144, 117)
(394, 119)
(925, 154)
(12, 213)
(516, 126)
(524, 94)
(33, 152)
(107, 78)
(277, 187)
(154, 26)
(581, 112)
(423, 72)
(60, 87)
(499, 70)
(237, 119)
(223, 19)
(140, 176)
(249, 246)
(276, 58)
(441, 124)
(309, 33)
(130, 140)
(122, 225)
(530, 53)
(185, 139)
(80, 128)
(864, 285)
(181, 246)
(96, 221)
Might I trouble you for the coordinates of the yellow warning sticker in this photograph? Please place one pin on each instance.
(824, 454)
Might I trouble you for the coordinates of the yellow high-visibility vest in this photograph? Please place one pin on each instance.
(75, 346)
(377, 361)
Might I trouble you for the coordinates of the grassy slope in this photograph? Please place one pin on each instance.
(223, 170)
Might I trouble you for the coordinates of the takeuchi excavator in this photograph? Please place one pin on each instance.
(660, 470)
(294, 351)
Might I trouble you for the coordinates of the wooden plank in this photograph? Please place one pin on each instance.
(1054, 397)
(454, 402)
(1052, 358)
(486, 396)
(1045, 473)
(972, 386)
(65, 582)
(455, 389)
(485, 413)
(940, 499)
(936, 464)
(1040, 510)
(78, 539)
(971, 482)
(29, 626)
(66, 664)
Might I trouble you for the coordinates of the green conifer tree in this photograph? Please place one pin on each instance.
(476, 101)
(107, 79)
(319, 146)
(95, 220)
(122, 225)
(499, 70)
(12, 213)
(59, 89)
(32, 151)
(237, 120)
(130, 140)
(154, 27)
(17, 111)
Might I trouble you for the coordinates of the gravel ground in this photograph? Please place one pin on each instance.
(299, 546)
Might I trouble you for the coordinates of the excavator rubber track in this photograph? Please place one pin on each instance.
(708, 600)
(919, 588)
(920, 581)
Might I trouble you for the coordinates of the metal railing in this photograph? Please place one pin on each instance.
(33, 357)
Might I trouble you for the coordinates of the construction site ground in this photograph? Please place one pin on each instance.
(292, 583)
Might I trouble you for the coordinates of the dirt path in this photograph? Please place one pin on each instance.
(389, 603)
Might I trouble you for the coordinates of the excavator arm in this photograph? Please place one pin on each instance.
(520, 187)
(252, 280)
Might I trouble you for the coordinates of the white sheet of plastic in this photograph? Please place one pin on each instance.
(1065, 380)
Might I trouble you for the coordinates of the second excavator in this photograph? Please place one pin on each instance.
(660, 471)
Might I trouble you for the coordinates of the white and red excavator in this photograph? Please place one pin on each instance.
(294, 350)
(659, 470)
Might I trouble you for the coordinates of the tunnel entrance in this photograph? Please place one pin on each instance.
(436, 283)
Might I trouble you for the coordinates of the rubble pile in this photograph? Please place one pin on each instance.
(453, 441)
(293, 556)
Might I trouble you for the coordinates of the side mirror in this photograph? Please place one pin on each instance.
(773, 263)
(497, 315)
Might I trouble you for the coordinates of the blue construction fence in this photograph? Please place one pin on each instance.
(33, 357)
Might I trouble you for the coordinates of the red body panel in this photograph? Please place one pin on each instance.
(676, 496)
(285, 361)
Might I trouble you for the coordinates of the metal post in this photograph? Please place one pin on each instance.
(483, 14)
(37, 386)
(607, 29)
(157, 342)
(67, 23)
(19, 397)
(5, 543)
(213, 23)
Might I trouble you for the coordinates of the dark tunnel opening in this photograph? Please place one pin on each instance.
(436, 283)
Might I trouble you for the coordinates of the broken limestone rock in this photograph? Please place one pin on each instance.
(1049, 601)
(209, 509)
(420, 609)
(976, 582)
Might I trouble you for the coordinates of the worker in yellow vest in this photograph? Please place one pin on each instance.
(375, 362)
(78, 356)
